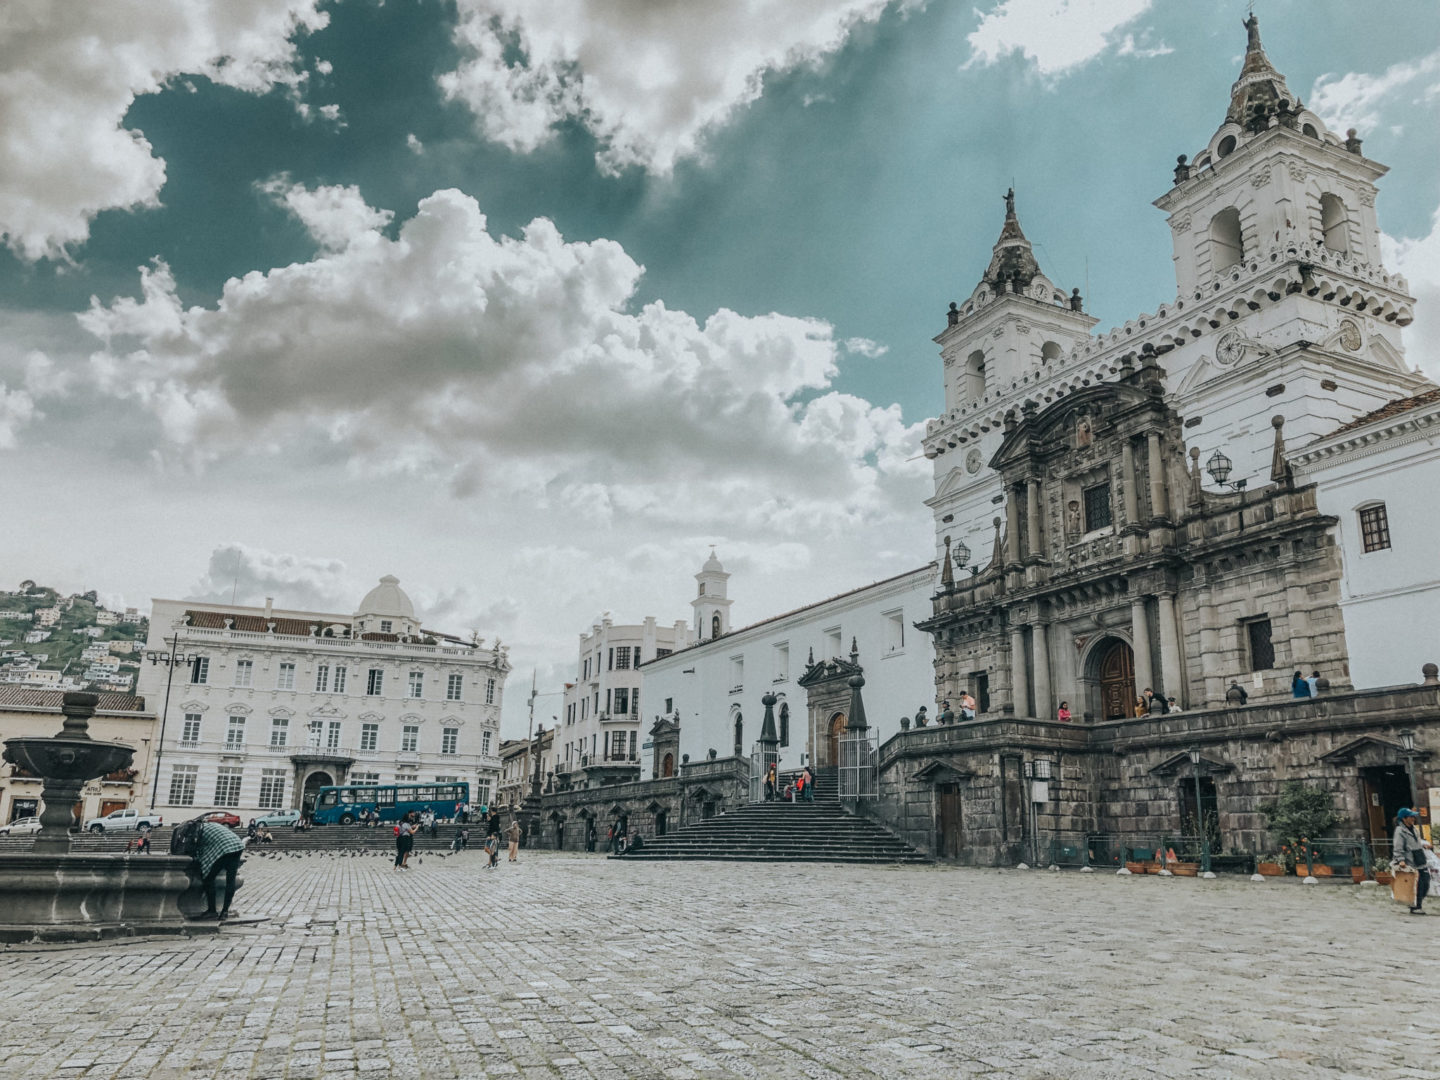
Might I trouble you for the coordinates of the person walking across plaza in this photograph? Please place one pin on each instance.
(513, 835)
(1407, 847)
(404, 841)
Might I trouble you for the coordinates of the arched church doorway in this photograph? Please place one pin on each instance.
(1116, 671)
(313, 783)
(832, 739)
(667, 767)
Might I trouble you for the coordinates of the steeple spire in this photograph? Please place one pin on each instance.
(1260, 88)
(1012, 264)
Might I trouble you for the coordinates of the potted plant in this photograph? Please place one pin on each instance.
(1357, 868)
(1383, 874)
(1300, 812)
(1271, 864)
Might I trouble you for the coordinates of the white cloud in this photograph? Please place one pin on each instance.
(415, 145)
(510, 365)
(1419, 260)
(1357, 99)
(250, 574)
(1056, 35)
(334, 215)
(648, 79)
(17, 408)
(68, 75)
(865, 347)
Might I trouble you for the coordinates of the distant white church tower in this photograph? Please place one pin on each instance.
(712, 606)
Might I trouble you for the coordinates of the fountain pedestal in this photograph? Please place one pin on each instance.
(50, 894)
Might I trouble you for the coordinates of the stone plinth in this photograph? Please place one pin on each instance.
(45, 897)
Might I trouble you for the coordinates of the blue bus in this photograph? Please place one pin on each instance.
(342, 805)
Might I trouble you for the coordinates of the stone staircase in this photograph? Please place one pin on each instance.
(819, 831)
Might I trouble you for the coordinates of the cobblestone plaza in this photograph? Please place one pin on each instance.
(731, 970)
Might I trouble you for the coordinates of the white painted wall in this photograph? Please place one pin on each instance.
(699, 684)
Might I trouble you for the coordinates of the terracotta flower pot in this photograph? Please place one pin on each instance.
(1384, 877)
(1357, 874)
(1184, 869)
(1270, 869)
(1139, 867)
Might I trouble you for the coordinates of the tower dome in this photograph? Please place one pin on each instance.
(386, 608)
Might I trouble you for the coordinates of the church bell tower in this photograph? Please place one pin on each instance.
(712, 606)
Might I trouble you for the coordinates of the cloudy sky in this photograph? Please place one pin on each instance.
(528, 302)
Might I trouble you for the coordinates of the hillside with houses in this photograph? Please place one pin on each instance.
(54, 642)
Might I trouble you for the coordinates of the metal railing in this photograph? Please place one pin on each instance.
(859, 772)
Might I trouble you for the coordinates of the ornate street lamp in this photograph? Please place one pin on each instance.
(1200, 814)
(961, 552)
(1219, 467)
(1407, 747)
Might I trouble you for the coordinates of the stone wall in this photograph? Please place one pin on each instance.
(701, 789)
(1125, 778)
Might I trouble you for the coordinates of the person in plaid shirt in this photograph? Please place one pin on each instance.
(215, 848)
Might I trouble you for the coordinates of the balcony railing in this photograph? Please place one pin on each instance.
(203, 633)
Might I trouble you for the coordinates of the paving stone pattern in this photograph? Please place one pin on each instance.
(573, 966)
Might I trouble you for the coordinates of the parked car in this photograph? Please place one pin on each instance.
(281, 818)
(224, 817)
(21, 827)
(128, 818)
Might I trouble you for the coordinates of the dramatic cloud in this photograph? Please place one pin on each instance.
(1058, 35)
(1419, 260)
(1357, 99)
(647, 77)
(68, 74)
(249, 575)
(508, 364)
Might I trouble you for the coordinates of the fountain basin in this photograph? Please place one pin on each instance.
(64, 758)
(47, 897)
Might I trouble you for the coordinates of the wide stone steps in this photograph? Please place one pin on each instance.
(806, 831)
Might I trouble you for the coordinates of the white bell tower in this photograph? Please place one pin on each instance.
(712, 606)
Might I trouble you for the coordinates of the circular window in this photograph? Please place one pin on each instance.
(1226, 147)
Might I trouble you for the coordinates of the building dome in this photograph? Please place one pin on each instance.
(712, 565)
(388, 599)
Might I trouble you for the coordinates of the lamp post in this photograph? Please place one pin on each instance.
(1199, 812)
(171, 659)
(1407, 747)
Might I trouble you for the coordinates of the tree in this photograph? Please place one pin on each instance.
(1302, 812)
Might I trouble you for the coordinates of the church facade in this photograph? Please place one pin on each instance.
(1135, 527)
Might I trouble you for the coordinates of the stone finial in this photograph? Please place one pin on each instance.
(952, 317)
(1197, 495)
(854, 651)
(857, 720)
(78, 707)
(1182, 170)
(1431, 675)
(947, 576)
(1076, 303)
(1351, 142)
(1280, 472)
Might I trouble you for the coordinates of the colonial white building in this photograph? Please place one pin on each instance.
(600, 732)
(1282, 308)
(713, 688)
(1285, 326)
(1376, 475)
(274, 704)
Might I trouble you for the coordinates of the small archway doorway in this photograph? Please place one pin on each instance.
(833, 731)
(313, 783)
(667, 766)
(1116, 674)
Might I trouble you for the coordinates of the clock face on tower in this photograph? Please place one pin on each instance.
(972, 461)
(1230, 348)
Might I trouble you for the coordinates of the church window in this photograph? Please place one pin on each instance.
(1334, 223)
(1375, 528)
(974, 376)
(1049, 351)
(1097, 507)
(1309, 129)
(702, 588)
(782, 662)
(715, 625)
(1227, 245)
(737, 674)
(1261, 643)
(1226, 147)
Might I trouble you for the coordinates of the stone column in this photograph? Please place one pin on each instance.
(1032, 519)
(1132, 492)
(1040, 640)
(1158, 508)
(1019, 677)
(1171, 676)
(1140, 631)
(1012, 526)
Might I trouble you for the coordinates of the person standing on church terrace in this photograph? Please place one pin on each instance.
(1314, 683)
(1063, 713)
(1299, 686)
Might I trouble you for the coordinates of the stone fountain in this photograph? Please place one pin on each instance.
(52, 893)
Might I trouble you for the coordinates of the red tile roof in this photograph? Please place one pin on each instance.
(257, 624)
(1389, 409)
(24, 697)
